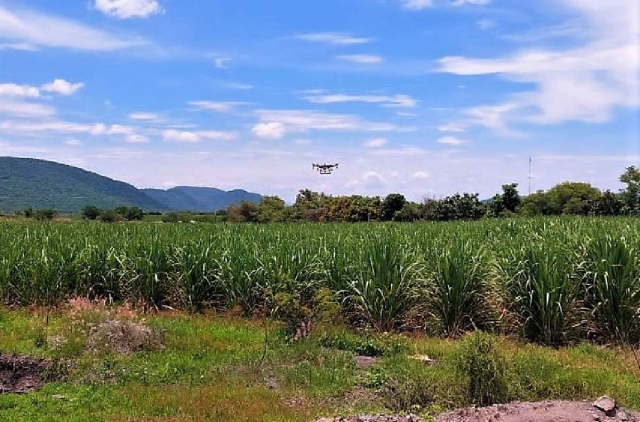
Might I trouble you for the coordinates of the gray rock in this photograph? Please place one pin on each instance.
(607, 405)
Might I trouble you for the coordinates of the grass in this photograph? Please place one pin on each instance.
(211, 369)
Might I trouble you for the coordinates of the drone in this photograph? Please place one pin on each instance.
(324, 168)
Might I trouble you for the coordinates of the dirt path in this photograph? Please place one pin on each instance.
(550, 411)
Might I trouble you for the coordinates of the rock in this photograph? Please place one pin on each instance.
(424, 359)
(622, 416)
(59, 397)
(607, 405)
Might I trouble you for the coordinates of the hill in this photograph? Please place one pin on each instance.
(200, 199)
(27, 182)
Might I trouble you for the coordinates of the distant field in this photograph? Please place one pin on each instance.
(551, 281)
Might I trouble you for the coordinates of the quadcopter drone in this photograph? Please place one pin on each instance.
(325, 168)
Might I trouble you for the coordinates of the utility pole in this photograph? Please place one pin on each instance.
(529, 175)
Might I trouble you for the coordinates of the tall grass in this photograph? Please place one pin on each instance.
(550, 278)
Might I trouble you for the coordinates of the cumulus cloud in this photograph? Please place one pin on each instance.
(336, 38)
(404, 101)
(585, 83)
(25, 109)
(173, 135)
(269, 130)
(17, 26)
(217, 106)
(452, 140)
(126, 9)
(62, 87)
(73, 142)
(361, 58)
(375, 143)
(14, 90)
(304, 120)
(416, 4)
(145, 116)
(421, 175)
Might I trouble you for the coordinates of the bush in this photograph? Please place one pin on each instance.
(109, 216)
(91, 212)
(482, 367)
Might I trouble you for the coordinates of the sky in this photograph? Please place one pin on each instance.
(422, 97)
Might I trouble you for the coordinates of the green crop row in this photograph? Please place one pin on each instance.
(551, 281)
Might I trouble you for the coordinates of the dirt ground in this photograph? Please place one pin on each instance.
(550, 411)
(20, 374)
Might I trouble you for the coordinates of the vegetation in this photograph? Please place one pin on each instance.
(38, 184)
(296, 381)
(568, 198)
(553, 281)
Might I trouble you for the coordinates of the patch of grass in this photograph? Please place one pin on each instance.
(212, 369)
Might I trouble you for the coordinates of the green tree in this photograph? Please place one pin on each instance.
(272, 210)
(91, 212)
(133, 214)
(608, 204)
(536, 204)
(392, 204)
(631, 194)
(572, 198)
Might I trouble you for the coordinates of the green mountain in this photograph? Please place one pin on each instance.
(27, 182)
(200, 199)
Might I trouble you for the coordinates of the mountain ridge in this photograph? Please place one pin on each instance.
(35, 183)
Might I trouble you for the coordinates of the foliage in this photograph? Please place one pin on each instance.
(482, 366)
(91, 212)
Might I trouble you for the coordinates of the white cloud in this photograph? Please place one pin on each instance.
(234, 85)
(486, 24)
(586, 83)
(452, 127)
(375, 143)
(280, 121)
(404, 101)
(34, 28)
(336, 38)
(125, 9)
(19, 46)
(14, 90)
(73, 142)
(173, 135)
(269, 130)
(145, 116)
(136, 139)
(217, 106)
(361, 58)
(416, 4)
(221, 62)
(471, 2)
(25, 109)
(452, 140)
(62, 87)
(421, 175)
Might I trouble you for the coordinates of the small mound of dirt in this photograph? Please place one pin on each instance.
(366, 362)
(20, 374)
(373, 418)
(124, 337)
(550, 411)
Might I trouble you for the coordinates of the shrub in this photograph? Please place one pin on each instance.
(482, 367)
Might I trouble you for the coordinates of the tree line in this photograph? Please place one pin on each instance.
(567, 198)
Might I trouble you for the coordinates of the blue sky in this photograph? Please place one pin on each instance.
(422, 97)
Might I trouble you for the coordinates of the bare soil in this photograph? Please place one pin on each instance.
(20, 374)
(549, 411)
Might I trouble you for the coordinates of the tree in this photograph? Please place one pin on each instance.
(392, 204)
(45, 214)
(271, 210)
(133, 214)
(608, 204)
(631, 194)
(536, 204)
(511, 197)
(572, 198)
(458, 207)
(91, 212)
(109, 216)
